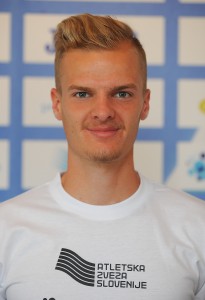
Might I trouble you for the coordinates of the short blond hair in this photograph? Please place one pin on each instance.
(91, 32)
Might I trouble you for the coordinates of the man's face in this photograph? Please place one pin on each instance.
(101, 102)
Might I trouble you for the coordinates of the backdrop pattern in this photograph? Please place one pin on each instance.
(171, 142)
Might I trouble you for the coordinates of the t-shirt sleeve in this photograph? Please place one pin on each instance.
(2, 292)
(200, 295)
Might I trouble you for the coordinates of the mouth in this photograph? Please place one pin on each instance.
(103, 132)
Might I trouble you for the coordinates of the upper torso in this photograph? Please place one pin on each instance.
(53, 247)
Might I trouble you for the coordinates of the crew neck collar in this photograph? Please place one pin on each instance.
(97, 212)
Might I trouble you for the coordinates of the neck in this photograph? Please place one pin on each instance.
(101, 183)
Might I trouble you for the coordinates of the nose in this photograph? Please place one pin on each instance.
(103, 109)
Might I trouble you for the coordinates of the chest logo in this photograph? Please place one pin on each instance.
(101, 275)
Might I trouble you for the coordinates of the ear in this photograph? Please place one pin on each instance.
(56, 103)
(145, 108)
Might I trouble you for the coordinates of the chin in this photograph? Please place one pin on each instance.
(103, 156)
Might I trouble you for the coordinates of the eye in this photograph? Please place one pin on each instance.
(122, 94)
(81, 95)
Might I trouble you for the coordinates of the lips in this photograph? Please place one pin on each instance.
(103, 131)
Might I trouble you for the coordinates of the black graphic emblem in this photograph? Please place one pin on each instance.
(76, 267)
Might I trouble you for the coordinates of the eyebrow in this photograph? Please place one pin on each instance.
(78, 87)
(124, 87)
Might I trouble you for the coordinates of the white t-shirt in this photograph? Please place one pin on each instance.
(150, 246)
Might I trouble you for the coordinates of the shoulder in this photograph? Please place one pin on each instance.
(174, 202)
(32, 200)
(25, 198)
(177, 215)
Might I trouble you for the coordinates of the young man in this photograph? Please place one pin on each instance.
(100, 230)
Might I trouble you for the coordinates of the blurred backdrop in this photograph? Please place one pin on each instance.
(171, 142)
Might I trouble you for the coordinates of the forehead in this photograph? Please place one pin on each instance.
(121, 61)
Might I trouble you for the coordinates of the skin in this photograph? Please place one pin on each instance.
(101, 103)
